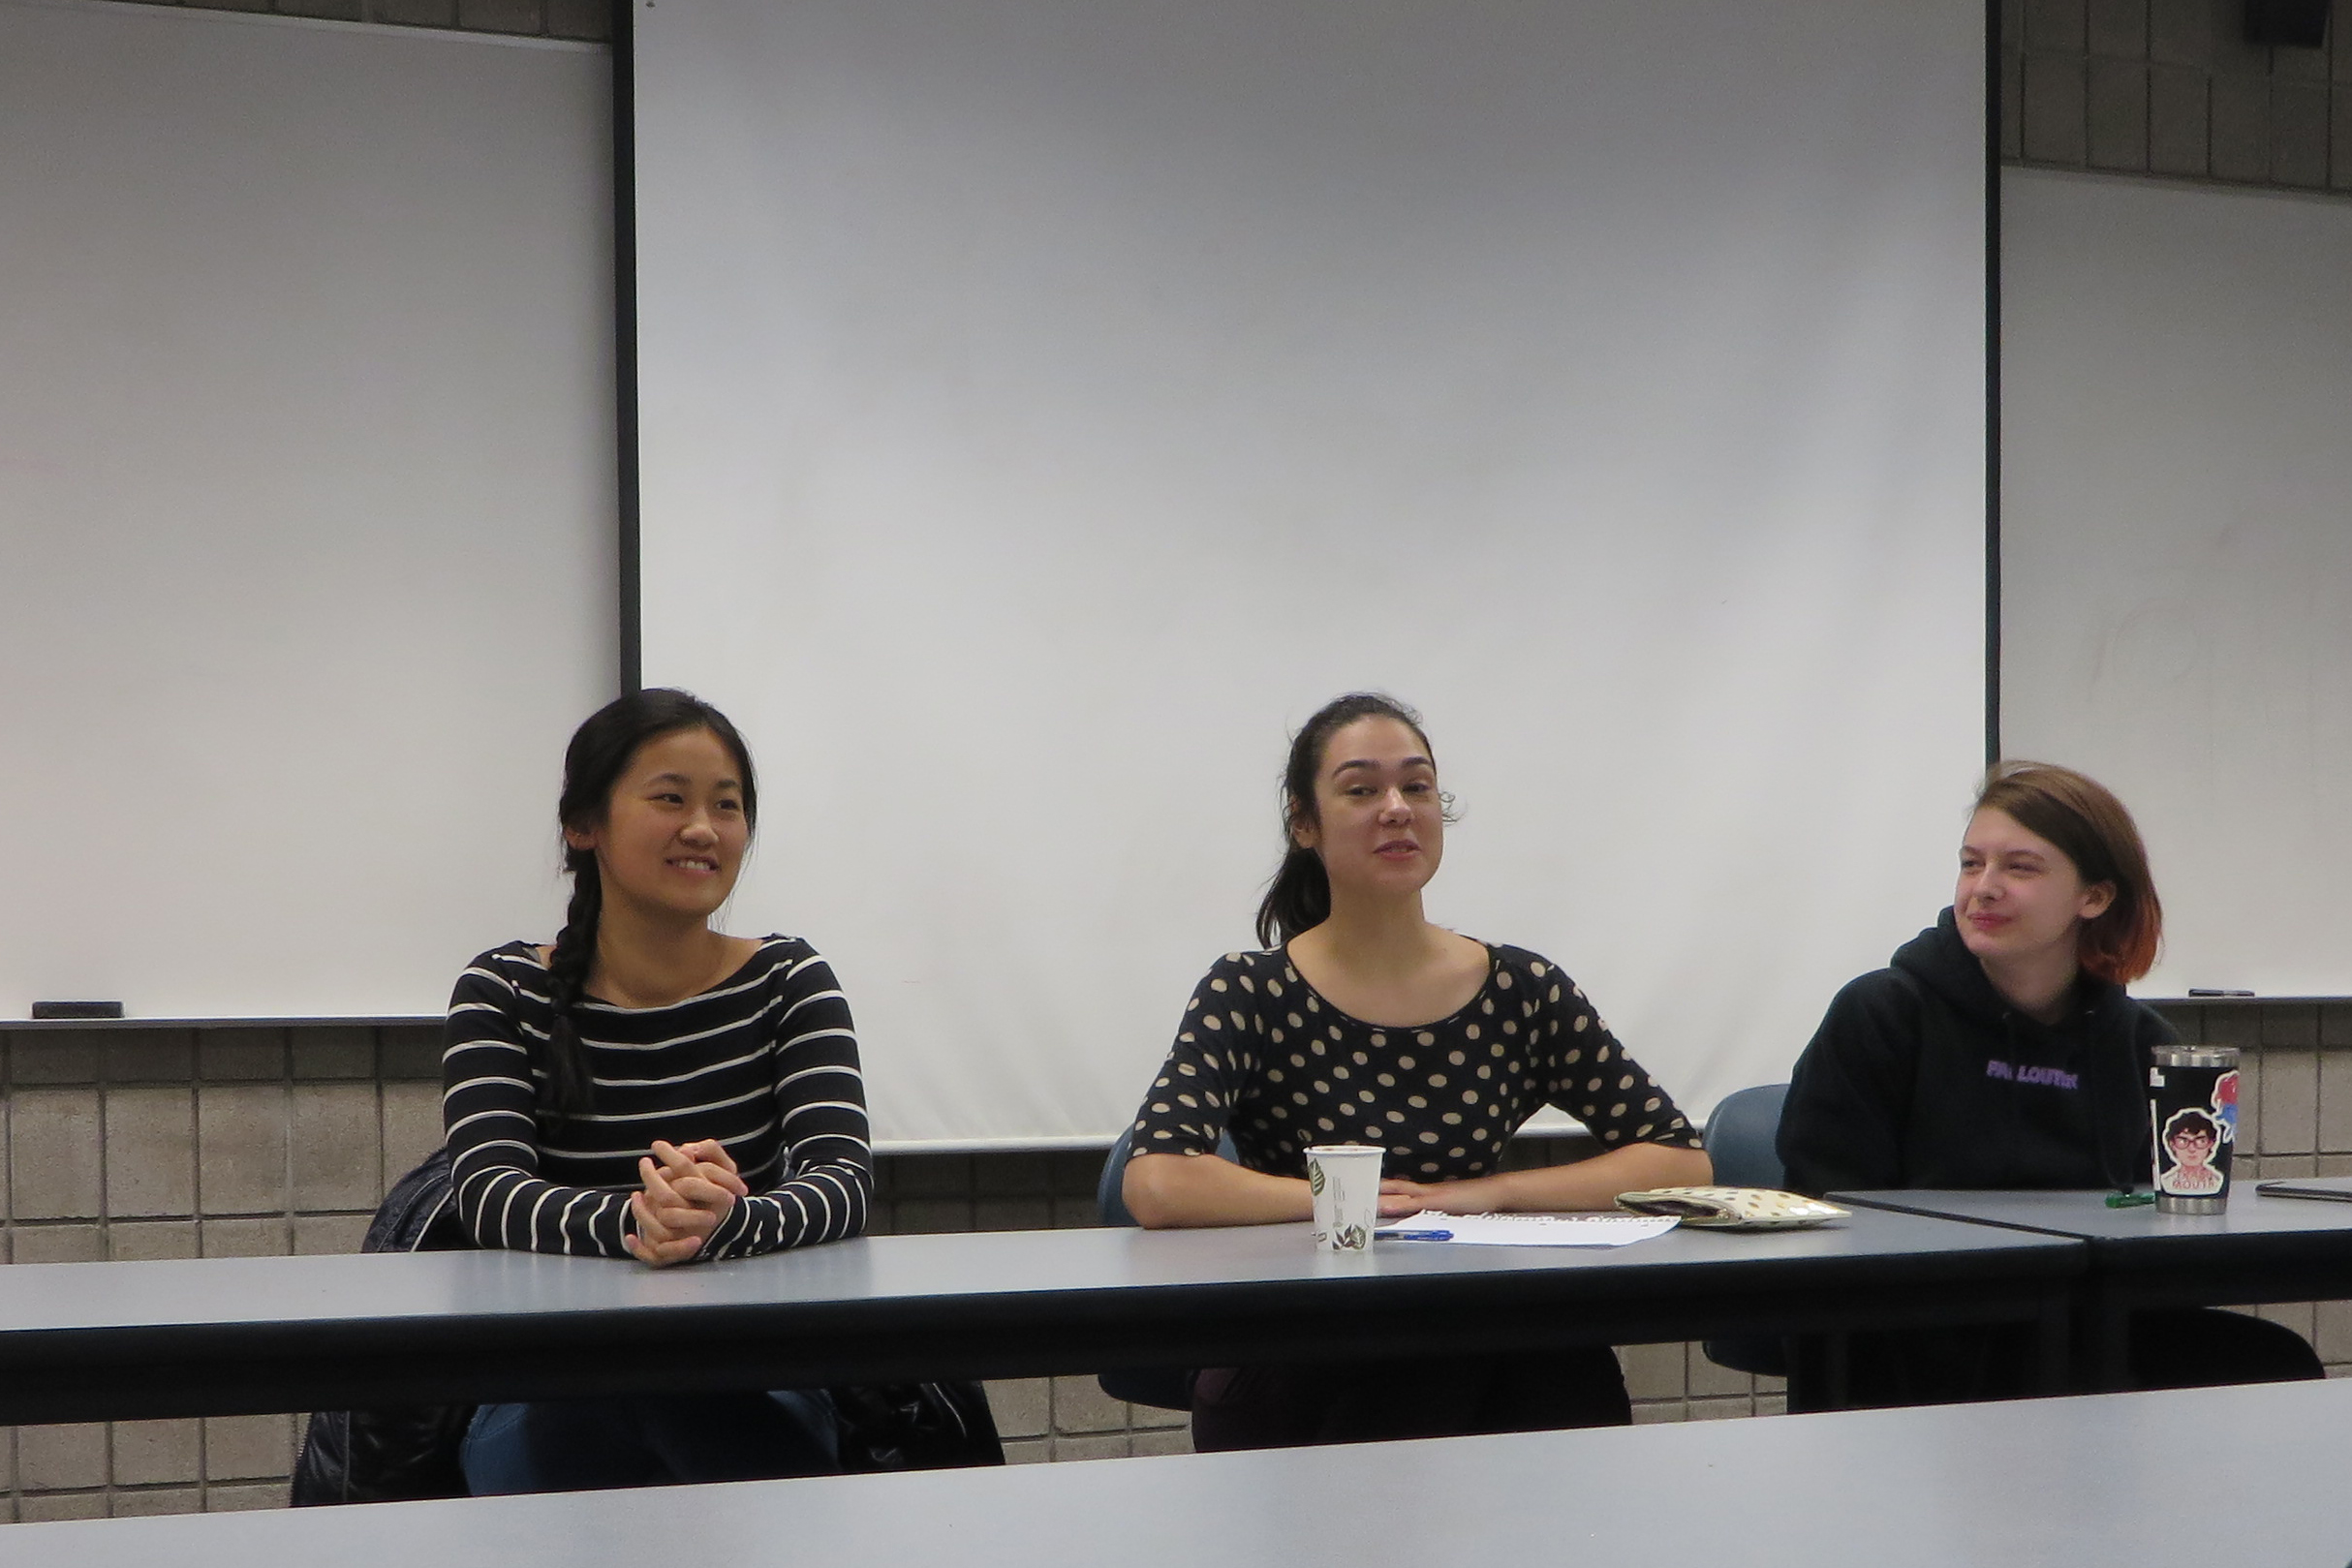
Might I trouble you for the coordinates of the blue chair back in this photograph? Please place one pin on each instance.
(1741, 1137)
(1741, 1143)
(1171, 1388)
(1110, 1200)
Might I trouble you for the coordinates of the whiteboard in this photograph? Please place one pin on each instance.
(1046, 405)
(2177, 548)
(306, 501)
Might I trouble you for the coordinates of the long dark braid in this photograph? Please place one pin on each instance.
(1299, 898)
(594, 763)
(568, 1090)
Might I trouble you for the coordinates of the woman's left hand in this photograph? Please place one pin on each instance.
(1401, 1199)
(686, 1193)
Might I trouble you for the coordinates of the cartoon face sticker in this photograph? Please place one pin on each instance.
(2185, 1153)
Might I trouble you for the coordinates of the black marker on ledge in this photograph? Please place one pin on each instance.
(2199, 991)
(77, 1009)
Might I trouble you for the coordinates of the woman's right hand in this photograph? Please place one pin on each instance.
(688, 1190)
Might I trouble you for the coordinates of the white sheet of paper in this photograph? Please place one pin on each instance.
(1536, 1230)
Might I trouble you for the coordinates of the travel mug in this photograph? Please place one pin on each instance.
(2192, 1115)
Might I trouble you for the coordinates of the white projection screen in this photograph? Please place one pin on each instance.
(1047, 405)
(2176, 545)
(306, 501)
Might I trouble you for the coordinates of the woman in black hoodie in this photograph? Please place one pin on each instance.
(2000, 1050)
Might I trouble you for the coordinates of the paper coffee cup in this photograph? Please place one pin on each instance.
(2192, 1116)
(1345, 1181)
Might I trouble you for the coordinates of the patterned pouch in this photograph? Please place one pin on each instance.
(1732, 1208)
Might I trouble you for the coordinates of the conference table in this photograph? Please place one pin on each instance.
(87, 1342)
(2257, 1249)
(2181, 1479)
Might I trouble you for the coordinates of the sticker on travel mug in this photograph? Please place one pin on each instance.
(2192, 1110)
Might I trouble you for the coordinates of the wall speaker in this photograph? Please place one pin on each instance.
(2296, 24)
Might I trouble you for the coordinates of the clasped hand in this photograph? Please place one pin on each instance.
(1401, 1199)
(688, 1189)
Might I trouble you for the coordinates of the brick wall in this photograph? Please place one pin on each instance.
(542, 18)
(2169, 88)
(127, 1144)
(234, 1142)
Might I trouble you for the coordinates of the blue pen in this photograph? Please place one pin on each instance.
(1414, 1235)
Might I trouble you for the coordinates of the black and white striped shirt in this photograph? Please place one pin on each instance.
(765, 1062)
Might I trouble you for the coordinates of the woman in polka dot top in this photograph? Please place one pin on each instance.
(1363, 1023)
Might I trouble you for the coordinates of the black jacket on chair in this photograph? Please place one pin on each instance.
(398, 1453)
(394, 1453)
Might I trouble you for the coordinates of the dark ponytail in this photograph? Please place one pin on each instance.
(599, 753)
(1299, 898)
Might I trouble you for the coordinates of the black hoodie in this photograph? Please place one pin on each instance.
(1922, 1075)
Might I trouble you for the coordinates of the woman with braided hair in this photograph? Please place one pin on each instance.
(647, 1086)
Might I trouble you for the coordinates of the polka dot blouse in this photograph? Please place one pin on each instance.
(1264, 1057)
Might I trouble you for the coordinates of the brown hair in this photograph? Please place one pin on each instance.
(1299, 898)
(2083, 817)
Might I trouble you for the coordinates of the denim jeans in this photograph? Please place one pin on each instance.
(577, 1445)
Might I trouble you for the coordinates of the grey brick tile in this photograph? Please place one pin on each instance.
(338, 1156)
(260, 1237)
(1013, 1213)
(1655, 1372)
(923, 1216)
(2293, 1025)
(1108, 1446)
(150, 1154)
(928, 1176)
(1721, 1409)
(143, 1240)
(2178, 142)
(315, 1235)
(158, 1453)
(58, 1244)
(1012, 1175)
(405, 1050)
(2202, 33)
(148, 1502)
(2118, 29)
(149, 1055)
(416, 13)
(51, 1459)
(239, 1448)
(501, 15)
(2299, 157)
(233, 1054)
(334, 1051)
(2290, 1103)
(412, 1129)
(242, 1133)
(2117, 134)
(1023, 1406)
(61, 1505)
(53, 1156)
(55, 1057)
(2336, 1101)
(1080, 1406)
(2055, 26)
(590, 19)
(2242, 128)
